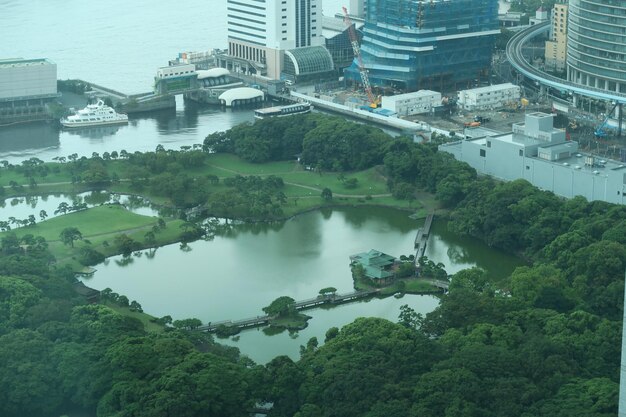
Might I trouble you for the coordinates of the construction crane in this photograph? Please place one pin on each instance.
(599, 132)
(357, 54)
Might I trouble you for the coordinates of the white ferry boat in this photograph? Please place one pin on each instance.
(280, 111)
(94, 115)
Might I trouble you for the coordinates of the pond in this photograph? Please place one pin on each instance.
(47, 206)
(235, 275)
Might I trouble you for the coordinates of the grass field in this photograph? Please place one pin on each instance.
(300, 184)
(143, 317)
(99, 225)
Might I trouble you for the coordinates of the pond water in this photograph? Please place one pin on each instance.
(21, 207)
(234, 276)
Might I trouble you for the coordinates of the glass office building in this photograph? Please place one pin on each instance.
(596, 44)
(435, 45)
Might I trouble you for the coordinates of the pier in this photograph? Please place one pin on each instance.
(422, 237)
(299, 305)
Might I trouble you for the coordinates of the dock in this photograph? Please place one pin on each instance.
(299, 305)
(422, 237)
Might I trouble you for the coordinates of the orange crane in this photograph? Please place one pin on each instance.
(374, 102)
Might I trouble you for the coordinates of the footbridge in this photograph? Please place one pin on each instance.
(422, 237)
(299, 305)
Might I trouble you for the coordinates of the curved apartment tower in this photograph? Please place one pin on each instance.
(435, 45)
(596, 44)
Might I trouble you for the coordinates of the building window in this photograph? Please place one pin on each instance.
(528, 167)
(521, 152)
(483, 152)
(489, 144)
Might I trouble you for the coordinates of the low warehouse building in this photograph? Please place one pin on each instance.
(490, 97)
(539, 153)
(27, 86)
(418, 102)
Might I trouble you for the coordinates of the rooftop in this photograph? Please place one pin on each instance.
(373, 258)
(20, 62)
(242, 93)
(212, 73)
(490, 88)
(419, 93)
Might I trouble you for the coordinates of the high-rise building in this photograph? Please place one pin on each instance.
(596, 44)
(259, 31)
(556, 47)
(435, 45)
(357, 8)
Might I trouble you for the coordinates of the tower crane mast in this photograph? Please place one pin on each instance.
(354, 42)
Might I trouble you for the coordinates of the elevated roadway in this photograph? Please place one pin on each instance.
(517, 60)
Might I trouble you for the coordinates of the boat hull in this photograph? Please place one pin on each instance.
(90, 124)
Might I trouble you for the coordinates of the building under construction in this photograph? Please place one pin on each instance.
(437, 45)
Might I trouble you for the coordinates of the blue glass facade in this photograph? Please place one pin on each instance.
(411, 44)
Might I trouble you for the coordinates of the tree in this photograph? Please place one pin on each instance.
(351, 183)
(43, 215)
(69, 235)
(282, 306)
(150, 238)
(328, 291)
(327, 194)
(187, 324)
(409, 317)
(62, 208)
(135, 306)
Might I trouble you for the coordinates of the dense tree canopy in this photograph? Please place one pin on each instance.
(544, 341)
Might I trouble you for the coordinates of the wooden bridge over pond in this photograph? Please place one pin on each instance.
(299, 305)
(422, 237)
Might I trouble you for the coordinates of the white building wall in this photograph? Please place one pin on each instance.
(260, 31)
(514, 156)
(412, 103)
(502, 160)
(357, 8)
(22, 78)
(176, 71)
(276, 24)
(491, 97)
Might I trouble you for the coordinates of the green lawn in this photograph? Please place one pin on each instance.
(143, 317)
(92, 222)
(369, 182)
(99, 225)
(229, 165)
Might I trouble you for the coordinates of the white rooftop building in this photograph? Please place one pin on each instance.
(539, 153)
(258, 31)
(418, 102)
(27, 78)
(27, 86)
(489, 97)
